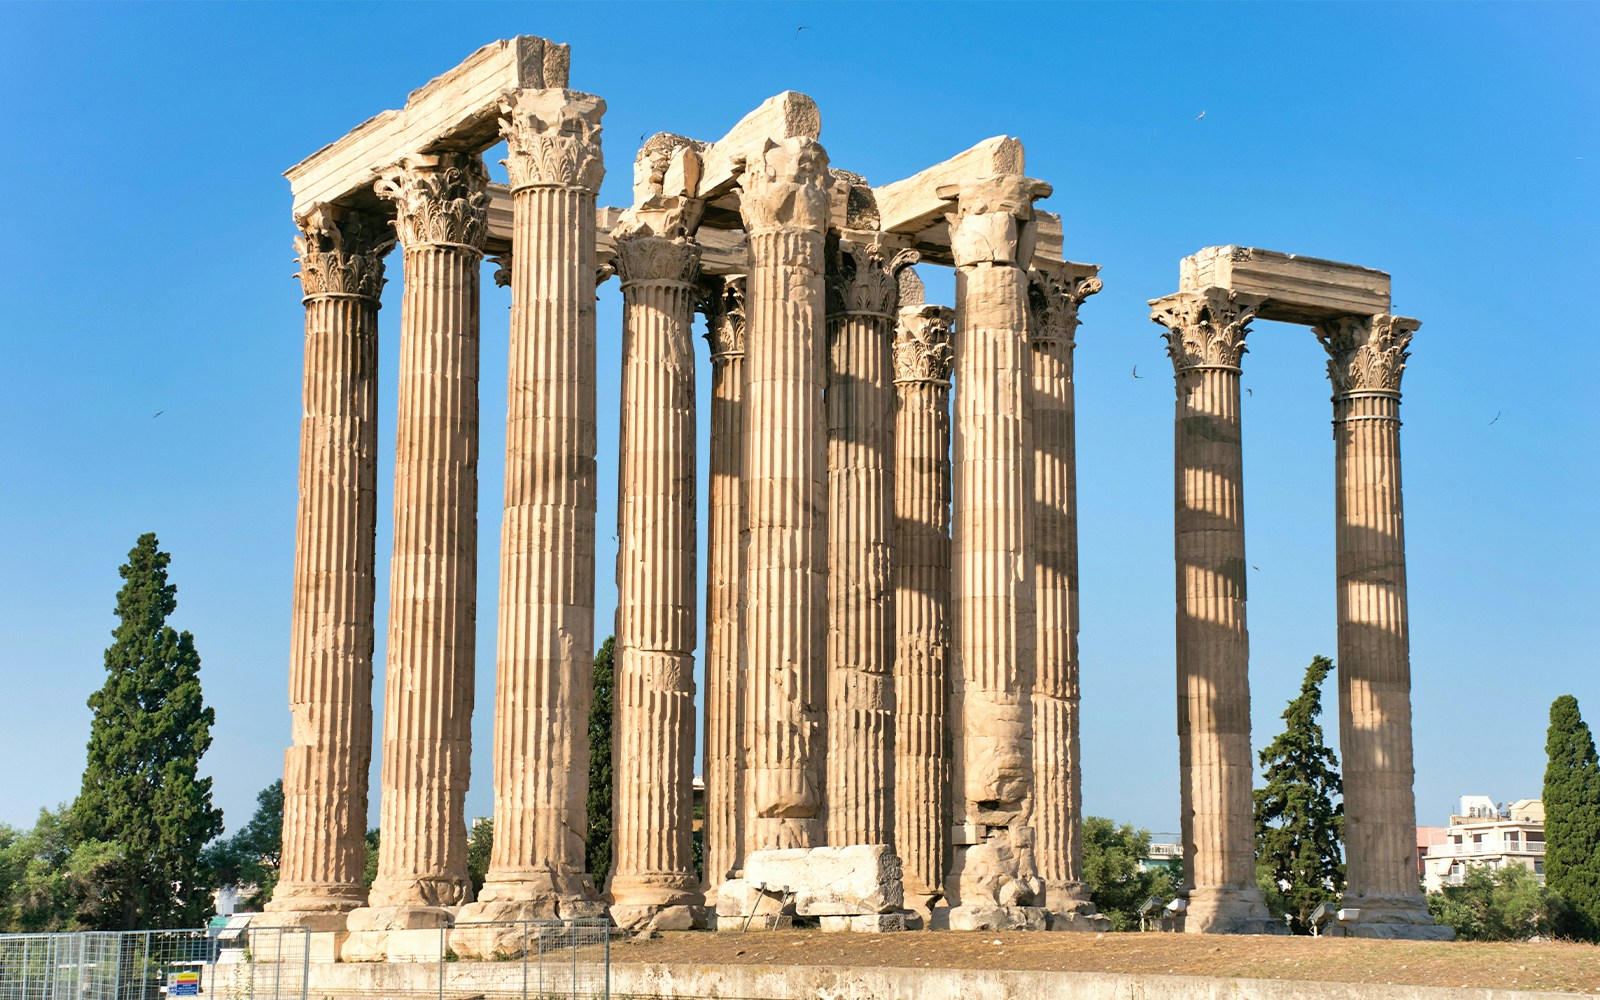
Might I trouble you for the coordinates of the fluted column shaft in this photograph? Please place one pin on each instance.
(725, 688)
(545, 645)
(1367, 358)
(655, 710)
(921, 572)
(1206, 339)
(1058, 794)
(427, 737)
(785, 208)
(860, 600)
(330, 653)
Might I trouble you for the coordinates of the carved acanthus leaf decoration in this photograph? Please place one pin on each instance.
(785, 186)
(861, 279)
(1053, 301)
(1206, 329)
(922, 344)
(722, 302)
(642, 256)
(1366, 353)
(553, 139)
(440, 202)
(341, 252)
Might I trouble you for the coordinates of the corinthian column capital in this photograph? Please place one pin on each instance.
(922, 345)
(1366, 353)
(553, 139)
(1053, 301)
(865, 278)
(1206, 329)
(993, 220)
(439, 200)
(722, 302)
(642, 256)
(785, 185)
(341, 252)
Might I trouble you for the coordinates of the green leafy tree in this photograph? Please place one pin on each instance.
(1116, 871)
(250, 856)
(369, 872)
(141, 787)
(1504, 904)
(480, 844)
(600, 791)
(1572, 819)
(52, 880)
(1299, 823)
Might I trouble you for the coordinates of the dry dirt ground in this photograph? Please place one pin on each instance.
(1561, 967)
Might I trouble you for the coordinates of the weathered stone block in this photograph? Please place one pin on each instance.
(872, 923)
(831, 881)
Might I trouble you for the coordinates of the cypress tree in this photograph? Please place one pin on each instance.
(141, 785)
(598, 846)
(1299, 826)
(1572, 818)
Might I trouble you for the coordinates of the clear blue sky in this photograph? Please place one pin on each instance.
(147, 268)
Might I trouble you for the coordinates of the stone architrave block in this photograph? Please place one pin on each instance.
(831, 881)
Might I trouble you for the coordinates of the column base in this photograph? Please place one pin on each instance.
(396, 934)
(314, 907)
(1398, 917)
(1230, 911)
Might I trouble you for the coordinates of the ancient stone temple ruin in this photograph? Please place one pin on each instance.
(891, 596)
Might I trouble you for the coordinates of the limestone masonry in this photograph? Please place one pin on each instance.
(891, 724)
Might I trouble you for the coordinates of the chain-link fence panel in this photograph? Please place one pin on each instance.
(526, 960)
(233, 964)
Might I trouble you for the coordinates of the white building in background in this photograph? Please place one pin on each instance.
(1482, 833)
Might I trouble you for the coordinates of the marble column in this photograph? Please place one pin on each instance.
(863, 295)
(922, 599)
(545, 655)
(441, 218)
(991, 879)
(1205, 340)
(653, 881)
(723, 303)
(1366, 358)
(784, 201)
(1057, 772)
(330, 651)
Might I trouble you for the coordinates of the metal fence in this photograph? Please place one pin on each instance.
(230, 964)
(526, 960)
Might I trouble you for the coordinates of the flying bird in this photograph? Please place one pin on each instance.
(800, 29)
(1249, 391)
(1136, 372)
(1496, 418)
(160, 412)
(1199, 116)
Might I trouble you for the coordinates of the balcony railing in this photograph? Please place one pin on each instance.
(1460, 850)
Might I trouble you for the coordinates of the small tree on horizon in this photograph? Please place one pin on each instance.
(1572, 819)
(142, 788)
(598, 845)
(1299, 823)
(250, 857)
